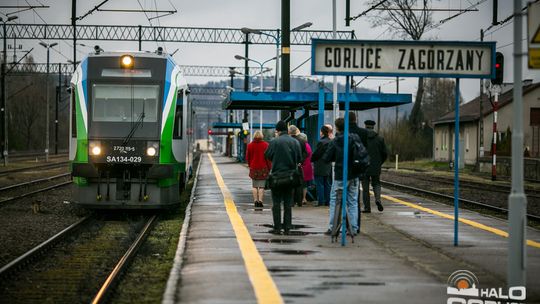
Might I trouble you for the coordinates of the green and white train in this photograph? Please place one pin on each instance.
(130, 131)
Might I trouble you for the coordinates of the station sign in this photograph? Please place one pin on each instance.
(447, 59)
(533, 37)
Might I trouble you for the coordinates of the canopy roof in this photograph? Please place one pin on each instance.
(309, 100)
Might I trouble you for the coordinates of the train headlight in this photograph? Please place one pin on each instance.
(151, 151)
(127, 61)
(95, 147)
(96, 150)
(152, 148)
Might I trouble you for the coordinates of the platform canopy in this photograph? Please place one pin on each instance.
(309, 100)
(237, 125)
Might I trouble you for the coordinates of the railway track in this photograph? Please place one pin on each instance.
(93, 260)
(472, 203)
(33, 182)
(33, 168)
(474, 185)
(29, 193)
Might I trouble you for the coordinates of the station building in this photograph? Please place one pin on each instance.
(469, 113)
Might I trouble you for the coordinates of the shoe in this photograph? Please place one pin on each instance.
(328, 232)
(366, 211)
(256, 203)
(274, 231)
(379, 206)
(261, 204)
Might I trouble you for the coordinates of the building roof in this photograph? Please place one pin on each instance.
(470, 111)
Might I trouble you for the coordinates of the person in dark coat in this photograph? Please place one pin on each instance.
(334, 153)
(298, 192)
(285, 154)
(377, 156)
(322, 169)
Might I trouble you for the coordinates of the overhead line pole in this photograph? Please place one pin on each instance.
(74, 24)
(285, 49)
(517, 201)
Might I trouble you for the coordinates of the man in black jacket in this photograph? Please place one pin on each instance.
(377, 155)
(334, 153)
(322, 169)
(285, 154)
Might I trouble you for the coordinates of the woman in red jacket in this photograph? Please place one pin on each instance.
(259, 167)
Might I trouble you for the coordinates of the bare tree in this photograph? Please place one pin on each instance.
(438, 98)
(408, 19)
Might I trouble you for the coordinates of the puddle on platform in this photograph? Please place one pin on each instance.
(297, 295)
(339, 276)
(353, 284)
(277, 241)
(289, 251)
(293, 226)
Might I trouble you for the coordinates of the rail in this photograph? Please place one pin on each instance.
(114, 277)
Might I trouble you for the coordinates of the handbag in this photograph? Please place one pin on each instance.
(291, 178)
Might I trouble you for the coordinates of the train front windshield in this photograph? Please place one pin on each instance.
(125, 103)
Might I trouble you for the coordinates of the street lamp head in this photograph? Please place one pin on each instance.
(53, 44)
(302, 26)
(246, 30)
(43, 44)
(238, 57)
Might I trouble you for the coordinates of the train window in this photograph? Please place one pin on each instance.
(73, 114)
(178, 119)
(131, 73)
(124, 103)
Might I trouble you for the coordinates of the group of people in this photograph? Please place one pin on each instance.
(290, 153)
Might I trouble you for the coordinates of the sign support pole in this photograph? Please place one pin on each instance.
(456, 165)
(320, 115)
(345, 165)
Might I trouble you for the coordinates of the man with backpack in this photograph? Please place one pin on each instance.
(358, 154)
(377, 155)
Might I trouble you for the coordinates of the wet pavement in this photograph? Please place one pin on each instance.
(402, 255)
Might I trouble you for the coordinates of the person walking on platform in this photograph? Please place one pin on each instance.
(334, 153)
(285, 154)
(322, 169)
(259, 167)
(307, 168)
(298, 191)
(377, 155)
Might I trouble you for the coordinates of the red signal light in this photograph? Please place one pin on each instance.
(497, 65)
(209, 132)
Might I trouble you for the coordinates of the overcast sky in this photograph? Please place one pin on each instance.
(266, 14)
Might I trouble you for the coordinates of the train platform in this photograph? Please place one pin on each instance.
(402, 255)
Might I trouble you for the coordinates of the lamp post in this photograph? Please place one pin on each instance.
(277, 39)
(261, 65)
(4, 92)
(48, 47)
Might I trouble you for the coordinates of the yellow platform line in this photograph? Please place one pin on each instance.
(265, 289)
(496, 231)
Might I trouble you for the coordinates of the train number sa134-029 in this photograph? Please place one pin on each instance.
(124, 159)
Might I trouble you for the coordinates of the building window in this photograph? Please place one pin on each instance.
(535, 117)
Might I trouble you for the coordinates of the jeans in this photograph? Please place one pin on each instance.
(376, 183)
(352, 201)
(282, 195)
(323, 184)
